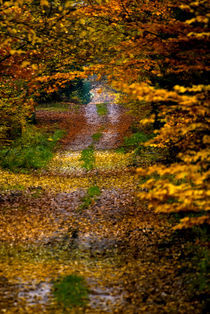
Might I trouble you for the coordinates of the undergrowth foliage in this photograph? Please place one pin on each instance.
(96, 136)
(88, 158)
(135, 141)
(71, 291)
(101, 109)
(91, 196)
(33, 150)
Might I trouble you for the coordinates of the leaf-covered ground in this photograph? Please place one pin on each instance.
(68, 220)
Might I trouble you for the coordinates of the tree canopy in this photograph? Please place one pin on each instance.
(150, 51)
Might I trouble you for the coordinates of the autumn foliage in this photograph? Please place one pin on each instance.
(150, 51)
(160, 57)
(36, 37)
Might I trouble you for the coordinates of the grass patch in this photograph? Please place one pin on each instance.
(57, 106)
(143, 154)
(94, 191)
(71, 291)
(96, 136)
(89, 199)
(120, 150)
(33, 150)
(88, 158)
(101, 109)
(135, 139)
(134, 143)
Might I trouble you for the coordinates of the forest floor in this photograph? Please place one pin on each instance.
(88, 222)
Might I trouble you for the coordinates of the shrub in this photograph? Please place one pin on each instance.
(71, 291)
(135, 139)
(32, 150)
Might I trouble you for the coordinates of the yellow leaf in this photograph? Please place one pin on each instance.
(44, 3)
(34, 66)
(206, 139)
(12, 52)
(25, 64)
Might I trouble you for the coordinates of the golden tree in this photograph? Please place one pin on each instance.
(160, 57)
(151, 51)
(41, 49)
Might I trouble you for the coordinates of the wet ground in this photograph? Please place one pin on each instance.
(54, 228)
(112, 122)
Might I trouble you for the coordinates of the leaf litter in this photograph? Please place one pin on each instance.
(114, 243)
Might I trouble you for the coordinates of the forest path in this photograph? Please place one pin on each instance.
(104, 116)
(90, 223)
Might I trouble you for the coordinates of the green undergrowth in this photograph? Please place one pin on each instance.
(201, 262)
(135, 139)
(33, 150)
(197, 256)
(141, 153)
(101, 109)
(194, 259)
(134, 142)
(89, 199)
(60, 106)
(54, 106)
(88, 158)
(96, 136)
(71, 291)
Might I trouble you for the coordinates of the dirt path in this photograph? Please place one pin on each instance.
(54, 228)
(82, 123)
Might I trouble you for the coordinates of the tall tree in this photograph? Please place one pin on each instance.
(151, 51)
(160, 57)
(41, 49)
